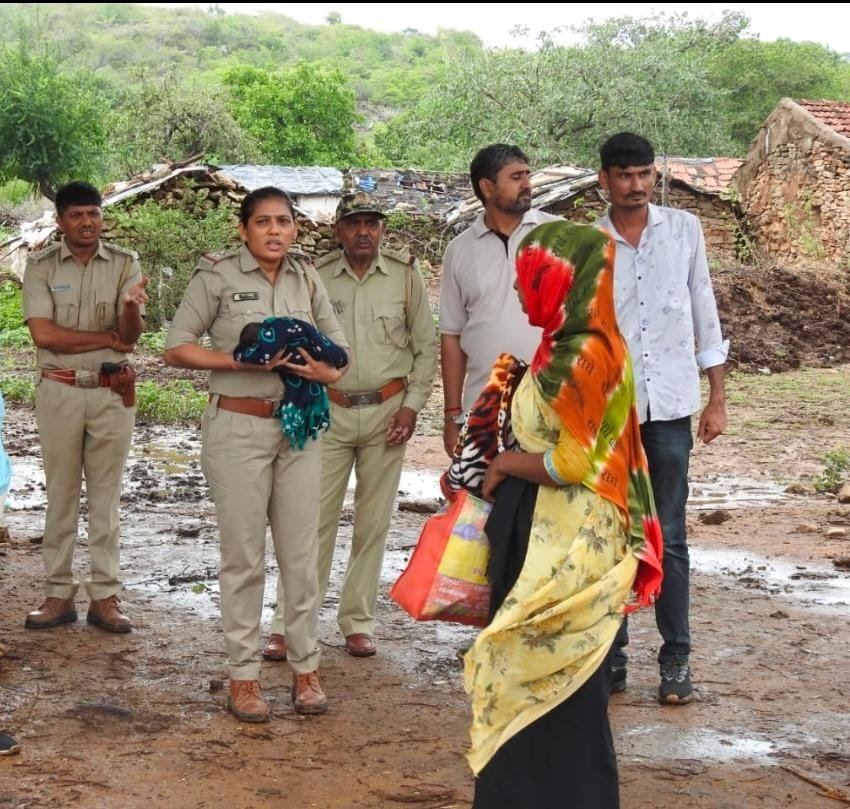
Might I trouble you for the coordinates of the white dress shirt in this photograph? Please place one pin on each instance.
(667, 312)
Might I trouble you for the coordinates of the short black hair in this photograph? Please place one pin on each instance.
(490, 161)
(625, 149)
(249, 335)
(252, 199)
(76, 193)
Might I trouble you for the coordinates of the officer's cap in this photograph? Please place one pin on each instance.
(358, 202)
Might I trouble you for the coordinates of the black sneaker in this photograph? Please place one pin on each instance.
(8, 746)
(617, 683)
(675, 688)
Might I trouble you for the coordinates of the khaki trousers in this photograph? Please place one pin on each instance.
(255, 477)
(83, 432)
(356, 438)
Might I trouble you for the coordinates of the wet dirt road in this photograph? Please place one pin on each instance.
(118, 722)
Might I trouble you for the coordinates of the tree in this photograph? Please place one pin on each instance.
(301, 115)
(560, 103)
(51, 122)
(165, 119)
(762, 73)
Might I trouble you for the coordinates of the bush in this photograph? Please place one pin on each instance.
(836, 467)
(16, 338)
(14, 192)
(169, 242)
(11, 310)
(18, 388)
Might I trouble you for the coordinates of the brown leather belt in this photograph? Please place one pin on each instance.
(367, 397)
(86, 379)
(264, 408)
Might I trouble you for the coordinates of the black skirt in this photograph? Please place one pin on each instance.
(566, 759)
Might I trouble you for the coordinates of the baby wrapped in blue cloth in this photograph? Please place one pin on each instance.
(304, 411)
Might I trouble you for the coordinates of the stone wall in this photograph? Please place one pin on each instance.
(797, 204)
(424, 234)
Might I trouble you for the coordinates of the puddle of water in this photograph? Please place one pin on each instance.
(26, 489)
(668, 742)
(814, 584)
(734, 493)
(705, 495)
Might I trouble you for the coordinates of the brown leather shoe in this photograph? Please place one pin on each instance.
(52, 612)
(360, 645)
(275, 648)
(308, 695)
(246, 701)
(106, 614)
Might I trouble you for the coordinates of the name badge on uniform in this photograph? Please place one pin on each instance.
(60, 287)
(246, 296)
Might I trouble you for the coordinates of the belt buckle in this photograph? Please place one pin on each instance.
(87, 379)
(362, 399)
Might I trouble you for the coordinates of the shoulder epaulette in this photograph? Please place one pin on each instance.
(123, 251)
(403, 255)
(44, 252)
(295, 252)
(334, 255)
(208, 260)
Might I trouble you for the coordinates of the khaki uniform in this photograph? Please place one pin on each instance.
(253, 473)
(388, 323)
(82, 430)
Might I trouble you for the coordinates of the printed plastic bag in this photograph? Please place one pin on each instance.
(446, 577)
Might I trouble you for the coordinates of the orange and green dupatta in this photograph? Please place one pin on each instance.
(583, 369)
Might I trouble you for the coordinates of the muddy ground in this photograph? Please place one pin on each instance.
(125, 722)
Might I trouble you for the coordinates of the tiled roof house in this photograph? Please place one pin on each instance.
(794, 184)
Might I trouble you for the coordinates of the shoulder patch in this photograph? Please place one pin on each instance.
(329, 258)
(123, 251)
(44, 252)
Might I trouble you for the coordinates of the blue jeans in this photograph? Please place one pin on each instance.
(668, 447)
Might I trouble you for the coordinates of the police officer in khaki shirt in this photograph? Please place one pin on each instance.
(383, 307)
(83, 301)
(253, 472)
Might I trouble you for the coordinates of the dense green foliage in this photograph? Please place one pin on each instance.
(302, 115)
(169, 241)
(11, 312)
(104, 90)
(679, 82)
(51, 121)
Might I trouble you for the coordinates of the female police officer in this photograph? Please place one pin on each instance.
(253, 472)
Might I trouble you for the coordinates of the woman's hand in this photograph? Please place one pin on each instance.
(310, 369)
(493, 477)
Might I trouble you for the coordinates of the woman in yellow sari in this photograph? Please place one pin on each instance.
(574, 537)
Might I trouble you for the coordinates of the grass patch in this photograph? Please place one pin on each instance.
(153, 342)
(172, 402)
(18, 388)
(16, 338)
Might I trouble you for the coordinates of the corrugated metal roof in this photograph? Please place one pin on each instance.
(835, 114)
(292, 179)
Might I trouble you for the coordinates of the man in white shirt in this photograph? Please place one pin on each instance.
(667, 313)
(480, 315)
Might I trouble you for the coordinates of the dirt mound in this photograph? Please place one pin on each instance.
(781, 319)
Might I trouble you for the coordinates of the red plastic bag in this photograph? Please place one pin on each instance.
(446, 577)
